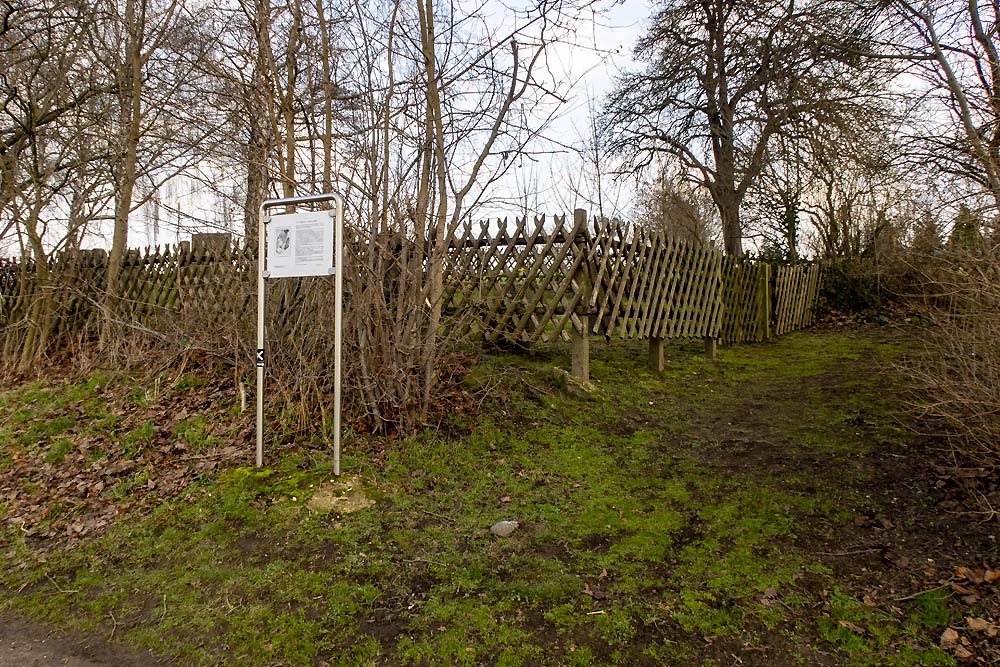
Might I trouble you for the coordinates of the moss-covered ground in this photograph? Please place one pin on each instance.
(762, 509)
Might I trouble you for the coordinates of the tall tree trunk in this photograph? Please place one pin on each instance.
(42, 306)
(726, 199)
(258, 139)
(732, 231)
(288, 101)
(257, 149)
(984, 153)
(130, 100)
(328, 88)
(439, 239)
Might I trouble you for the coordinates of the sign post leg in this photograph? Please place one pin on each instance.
(260, 336)
(338, 330)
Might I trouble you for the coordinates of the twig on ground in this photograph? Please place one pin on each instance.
(425, 561)
(536, 389)
(847, 553)
(201, 457)
(58, 587)
(919, 593)
(440, 516)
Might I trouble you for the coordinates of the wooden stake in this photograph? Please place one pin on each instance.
(711, 347)
(656, 358)
(581, 354)
(580, 335)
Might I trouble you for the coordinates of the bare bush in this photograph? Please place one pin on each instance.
(958, 379)
(183, 310)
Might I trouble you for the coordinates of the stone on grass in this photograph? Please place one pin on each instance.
(573, 386)
(342, 496)
(504, 528)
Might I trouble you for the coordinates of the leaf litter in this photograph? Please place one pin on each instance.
(124, 460)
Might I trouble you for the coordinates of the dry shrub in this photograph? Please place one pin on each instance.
(850, 285)
(208, 320)
(958, 379)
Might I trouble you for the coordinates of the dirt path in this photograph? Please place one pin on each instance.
(24, 643)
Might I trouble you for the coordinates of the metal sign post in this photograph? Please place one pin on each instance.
(300, 247)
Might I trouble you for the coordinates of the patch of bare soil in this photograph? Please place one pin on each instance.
(24, 643)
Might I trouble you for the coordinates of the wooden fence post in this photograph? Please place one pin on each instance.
(656, 358)
(711, 347)
(580, 335)
(768, 300)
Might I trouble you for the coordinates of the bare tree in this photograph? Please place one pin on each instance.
(153, 51)
(953, 48)
(445, 195)
(413, 110)
(678, 207)
(443, 109)
(589, 176)
(725, 77)
(141, 31)
(48, 152)
(856, 194)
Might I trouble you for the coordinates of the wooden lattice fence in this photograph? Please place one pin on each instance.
(647, 285)
(537, 280)
(523, 286)
(746, 316)
(796, 293)
(548, 276)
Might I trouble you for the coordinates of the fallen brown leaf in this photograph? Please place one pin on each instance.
(963, 654)
(847, 625)
(975, 576)
(978, 624)
(594, 593)
(960, 589)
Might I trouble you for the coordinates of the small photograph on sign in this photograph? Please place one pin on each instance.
(283, 241)
(300, 244)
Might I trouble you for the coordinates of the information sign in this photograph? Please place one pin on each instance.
(292, 245)
(300, 244)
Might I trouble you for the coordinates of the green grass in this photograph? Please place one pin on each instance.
(641, 540)
(58, 451)
(866, 635)
(195, 433)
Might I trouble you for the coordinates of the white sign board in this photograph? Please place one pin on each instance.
(300, 244)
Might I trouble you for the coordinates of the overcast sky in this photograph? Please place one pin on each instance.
(559, 182)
